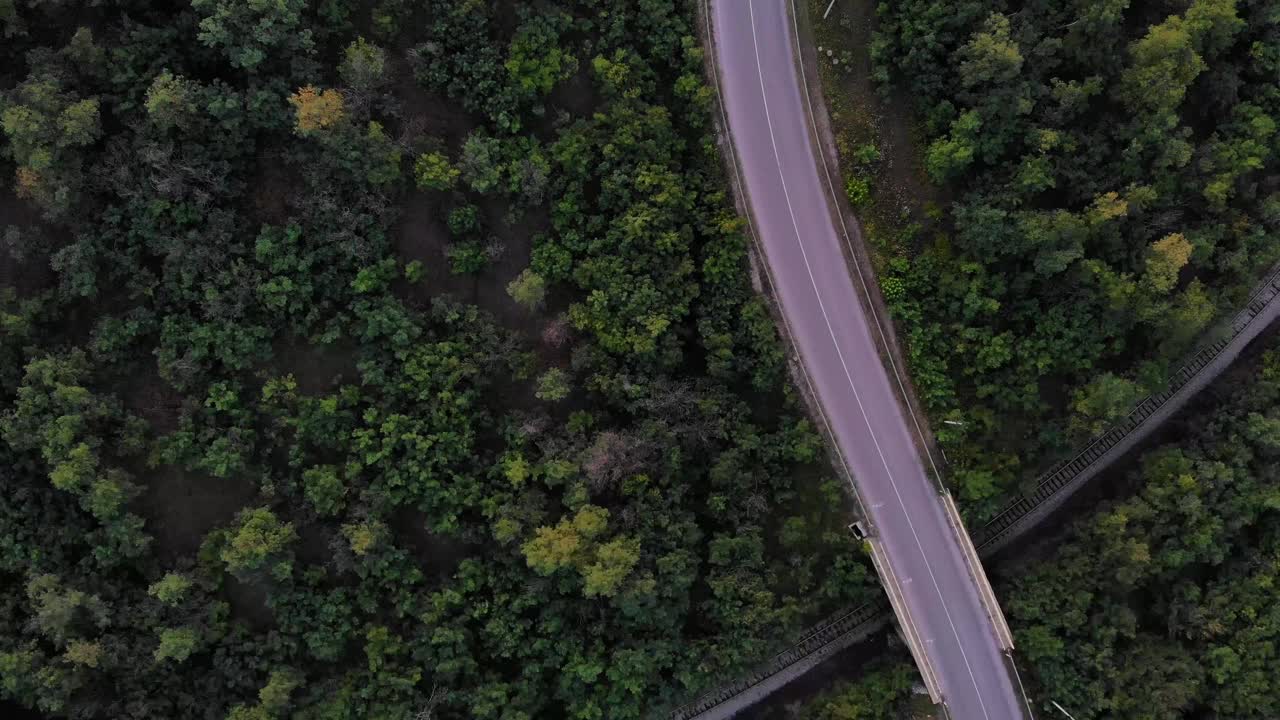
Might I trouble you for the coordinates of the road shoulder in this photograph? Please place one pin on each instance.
(857, 253)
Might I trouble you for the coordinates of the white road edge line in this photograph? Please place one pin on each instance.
(1030, 713)
(861, 409)
(911, 634)
(844, 229)
(760, 251)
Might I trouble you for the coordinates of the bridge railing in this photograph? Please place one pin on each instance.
(849, 625)
(1050, 490)
(1057, 484)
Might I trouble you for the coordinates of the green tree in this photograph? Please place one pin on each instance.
(555, 548)
(176, 644)
(433, 171)
(467, 257)
(275, 695)
(249, 31)
(364, 66)
(1244, 147)
(324, 489)
(68, 424)
(553, 385)
(61, 613)
(170, 589)
(258, 539)
(172, 101)
(575, 543)
(1103, 401)
(552, 548)
(248, 712)
(948, 157)
(612, 563)
(528, 289)
(79, 124)
(1168, 256)
(1190, 314)
(991, 57)
(47, 127)
(1165, 63)
(482, 163)
(84, 653)
(537, 60)
(364, 537)
(1214, 23)
(881, 693)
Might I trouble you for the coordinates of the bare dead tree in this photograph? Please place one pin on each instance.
(614, 456)
(494, 248)
(428, 712)
(556, 332)
(534, 424)
(411, 132)
(677, 405)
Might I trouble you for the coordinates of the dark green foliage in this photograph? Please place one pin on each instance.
(1165, 600)
(1111, 165)
(884, 691)
(256, 465)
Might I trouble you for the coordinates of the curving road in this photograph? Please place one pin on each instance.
(762, 97)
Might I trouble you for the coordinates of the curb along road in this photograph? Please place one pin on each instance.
(853, 625)
(942, 603)
(1021, 515)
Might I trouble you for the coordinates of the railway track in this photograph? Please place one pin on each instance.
(1021, 514)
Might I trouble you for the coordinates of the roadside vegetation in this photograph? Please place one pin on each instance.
(1158, 603)
(386, 360)
(1072, 194)
(1166, 599)
(883, 690)
(1106, 186)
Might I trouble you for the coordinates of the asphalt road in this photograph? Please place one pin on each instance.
(754, 46)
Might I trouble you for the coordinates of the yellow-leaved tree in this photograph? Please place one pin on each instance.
(317, 110)
(574, 543)
(1168, 256)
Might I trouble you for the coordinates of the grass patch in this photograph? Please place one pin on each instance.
(876, 138)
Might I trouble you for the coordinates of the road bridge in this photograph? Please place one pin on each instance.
(934, 582)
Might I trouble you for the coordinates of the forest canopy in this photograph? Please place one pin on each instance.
(362, 360)
(1166, 599)
(400, 358)
(1112, 175)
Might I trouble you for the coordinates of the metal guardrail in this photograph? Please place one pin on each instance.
(1007, 524)
(1051, 489)
(857, 622)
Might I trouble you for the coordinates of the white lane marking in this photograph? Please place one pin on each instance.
(764, 99)
(1064, 710)
(1025, 699)
(875, 315)
(862, 279)
(759, 246)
